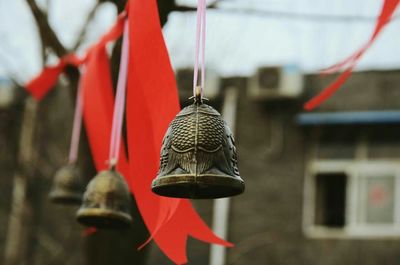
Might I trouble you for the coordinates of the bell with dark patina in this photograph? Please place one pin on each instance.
(198, 157)
(67, 186)
(106, 202)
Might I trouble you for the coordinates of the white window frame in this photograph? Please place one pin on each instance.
(353, 169)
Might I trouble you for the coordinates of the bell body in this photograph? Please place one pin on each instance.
(106, 202)
(198, 157)
(67, 186)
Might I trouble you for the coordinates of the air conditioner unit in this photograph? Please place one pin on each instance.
(184, 78)
(275, 83)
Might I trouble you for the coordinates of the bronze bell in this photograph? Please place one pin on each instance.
(198, 157)
(106, 202)
(67, 186)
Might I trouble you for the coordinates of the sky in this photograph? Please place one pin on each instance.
(242, 35)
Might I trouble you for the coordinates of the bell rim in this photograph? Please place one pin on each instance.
(65, 198)
(199, 185)
(83, 215)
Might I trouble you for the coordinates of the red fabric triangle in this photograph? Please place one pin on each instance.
(389, 6)
(98, 107)
(40, 85)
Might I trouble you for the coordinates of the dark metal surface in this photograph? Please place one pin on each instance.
(198, 157)
(67, 186)
(106, 202)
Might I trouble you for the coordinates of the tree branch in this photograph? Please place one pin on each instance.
(184, 8)
(48, 36)
(82, 33)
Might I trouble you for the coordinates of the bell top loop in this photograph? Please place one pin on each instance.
(198, 97)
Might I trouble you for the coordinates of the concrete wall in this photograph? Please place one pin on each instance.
(266, 221)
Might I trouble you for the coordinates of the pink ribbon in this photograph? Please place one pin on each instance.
(116, 130)
(77, 125)
(200, 46)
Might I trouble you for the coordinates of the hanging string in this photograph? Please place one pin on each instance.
(116, 130)
(77, 124)
(203, 47)
(200, 46)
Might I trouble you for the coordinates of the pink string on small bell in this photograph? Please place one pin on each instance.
(77, 124)
(200, 47)
(116, 131)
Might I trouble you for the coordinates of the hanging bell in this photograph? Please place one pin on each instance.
(106, 202)
(67, 186)
(198, 157)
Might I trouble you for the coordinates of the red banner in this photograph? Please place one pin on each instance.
(348, 64)
(98, 106)
(41, 84)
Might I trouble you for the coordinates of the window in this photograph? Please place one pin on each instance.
(375, 198)
(330, 199)
(352, 199)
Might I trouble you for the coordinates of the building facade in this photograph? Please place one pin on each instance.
(321, 187)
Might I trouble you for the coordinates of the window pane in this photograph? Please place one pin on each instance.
(330, 199)
(378, 200)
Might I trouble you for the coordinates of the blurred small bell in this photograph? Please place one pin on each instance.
(106, 202)
(67, 186)
(198, 157)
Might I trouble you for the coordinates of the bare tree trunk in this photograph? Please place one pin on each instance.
(19, 217)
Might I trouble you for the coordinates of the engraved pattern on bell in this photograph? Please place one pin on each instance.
(198, 157)
(67, 186)
(106, 202)
(209, 135)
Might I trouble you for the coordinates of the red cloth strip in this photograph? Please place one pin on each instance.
(40, 85)
(98, 109)
(389, 6)
(96, 80)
